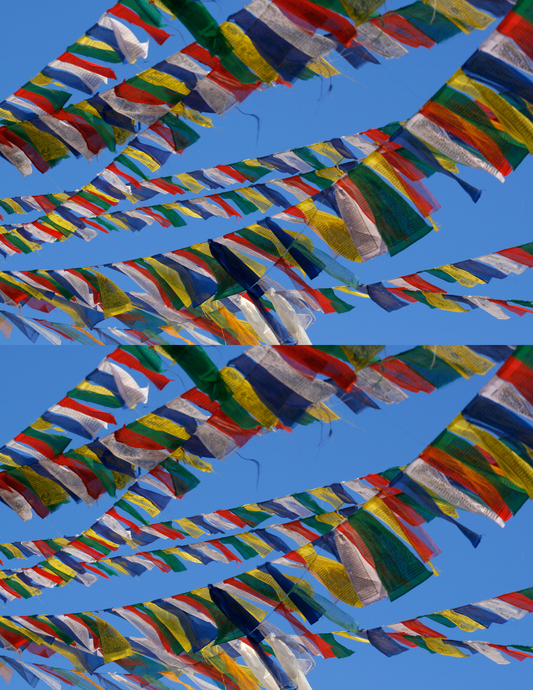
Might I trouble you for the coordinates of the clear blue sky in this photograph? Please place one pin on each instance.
(307, 458)
(369, 97)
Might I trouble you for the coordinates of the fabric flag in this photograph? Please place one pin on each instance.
(77, 418)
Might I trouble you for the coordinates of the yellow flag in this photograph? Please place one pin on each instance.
(331, 228)
(322, 67)
(332, 574)
(511, 464)
(190, 527)
(262, 203)
(437, 645)
(245, 50)
(326, 494)
(114, 300)
(14, 205)
(333, 174)
(322, 412)
(191, 184)
(49, 491)
(436, 299)
(16, 552)
(256, 543)
(154, 76)
(462, 359)
(462, 277)
(150, 508)
(114, 645)
(326, 149)
(462, 14)
(143, 157)
(462, 622)
(172, 623)
(157, 423)
(245, 395)
(244, 677)
(512, 120)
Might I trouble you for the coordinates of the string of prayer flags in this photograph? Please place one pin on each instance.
(266, 410)
(444, 301)
(293, 507)
(39, 131)
(22, 237)
(216, 319)
(480, 462)
(53, 331)
(392, 234)
(301, 159)
(415, 370)
(179, 282)
(137, 533)
(89, 205)
(396, 234)
(107, 119)
(217, 663)
(90, 564)
(392, 644)
(218, 177)
(116, 388)
(255, 542)
(481, 270)
(282, 50)
(245, 200)
(176, 282)
(482, 421)
(470, 273)
(97, 468)
(23, 244)
(225, 597)
(36, 202)
(49, 476)
(470, 618)
(108, 41)
(146, 98)
(55, 676)
(307, 521)
(455, 122)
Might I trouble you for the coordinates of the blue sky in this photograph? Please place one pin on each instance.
(307, 458)
(304, 114)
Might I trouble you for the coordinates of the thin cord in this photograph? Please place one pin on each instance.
(258, 121)
(392, 76)
(258, 466)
